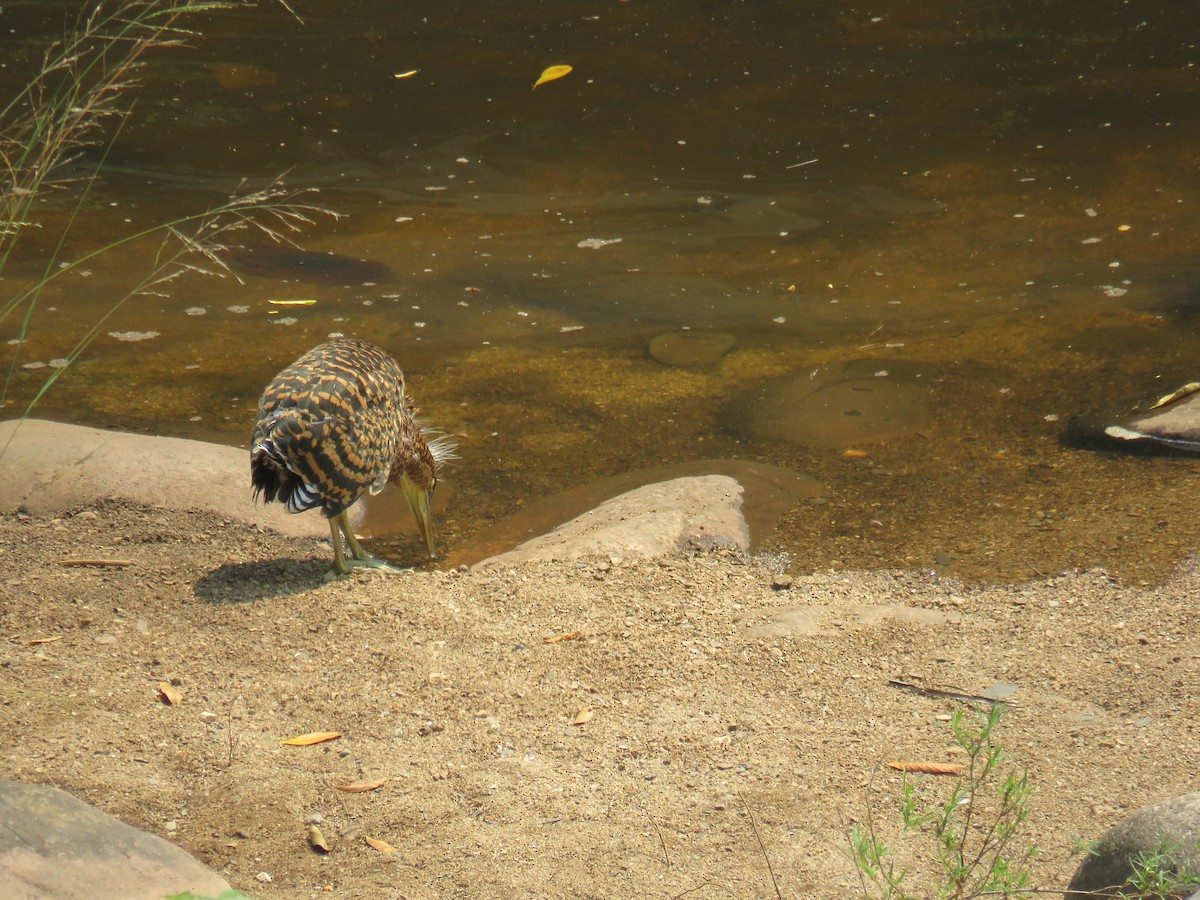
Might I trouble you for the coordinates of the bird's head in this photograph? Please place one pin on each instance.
(418, 478)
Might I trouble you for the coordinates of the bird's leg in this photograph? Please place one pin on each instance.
(339, 558)
(360, 558)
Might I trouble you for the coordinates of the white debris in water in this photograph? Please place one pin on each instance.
(418, 324)
(1050, 417)
(238, 309)
(565, 328)
(34, 365)
(597, 243)
(1111, 290)
(704, 201)
(131, 336)
(779, 320)
(403, 218)
(196, 311)
(285, 320)
(1091, 240)
(1091, 213)
(436, 187)
(195, 418)
(59, 363)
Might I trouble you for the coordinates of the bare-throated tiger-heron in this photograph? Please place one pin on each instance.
(336, 424)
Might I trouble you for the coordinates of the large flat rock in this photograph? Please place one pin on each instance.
(768, 493)
(55, 846)
(656, 520)
(50, 466)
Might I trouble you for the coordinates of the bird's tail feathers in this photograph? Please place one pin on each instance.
(273, 480)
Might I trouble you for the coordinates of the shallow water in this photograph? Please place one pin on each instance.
(999, 203)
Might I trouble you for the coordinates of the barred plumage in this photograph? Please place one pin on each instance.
(335, 424)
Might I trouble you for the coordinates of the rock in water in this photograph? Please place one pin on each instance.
(656, 520)
(1144, 422)
(863, 402)
(690, 349)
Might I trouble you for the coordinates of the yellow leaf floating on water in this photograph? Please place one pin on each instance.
(292, 302)
(1190, 388)
(313, 737)
(552, 74)
(409, 74)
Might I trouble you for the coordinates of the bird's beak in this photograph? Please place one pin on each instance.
(418, 502)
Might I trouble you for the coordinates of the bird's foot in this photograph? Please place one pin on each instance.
(368, 563)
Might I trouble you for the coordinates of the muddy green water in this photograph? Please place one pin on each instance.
(1000, 198)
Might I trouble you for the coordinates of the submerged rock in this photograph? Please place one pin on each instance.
(290, 264)
(688, 349)
(863, 402)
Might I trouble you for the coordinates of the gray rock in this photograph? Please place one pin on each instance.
(54, 846)
(863, 402)
(50, 466)
(1143, 422)
(1170, 825)
(768, 493)
(691, 348)
(657, 520)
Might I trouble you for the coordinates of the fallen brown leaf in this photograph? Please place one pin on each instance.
(585, 716)
(313, 737)
(929, 768)
(316, 840)
(169, 694)
(381, 846)
(49, 640)
(99, 563)
(359, 786)
(570, 636)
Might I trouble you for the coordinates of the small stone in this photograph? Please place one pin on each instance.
(782, 582)
(264, 877)
(105, 639)
(314, 819)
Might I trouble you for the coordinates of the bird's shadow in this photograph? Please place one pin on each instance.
(253, 581)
